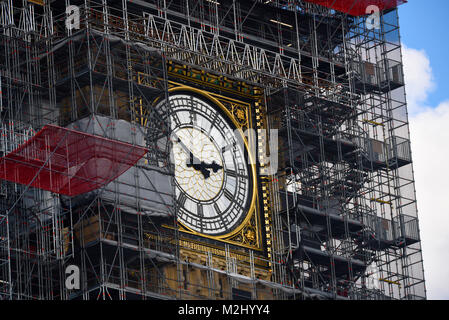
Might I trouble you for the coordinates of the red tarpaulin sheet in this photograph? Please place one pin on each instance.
(68, 162)
(358, 7)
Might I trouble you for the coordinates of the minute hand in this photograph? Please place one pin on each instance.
(177, 139)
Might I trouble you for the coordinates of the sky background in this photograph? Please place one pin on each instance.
(424, 26)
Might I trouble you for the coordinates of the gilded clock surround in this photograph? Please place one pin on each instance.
(249, 234)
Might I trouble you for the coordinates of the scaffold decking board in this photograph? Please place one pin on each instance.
(358, 7)
(39, 2)
(68, 162)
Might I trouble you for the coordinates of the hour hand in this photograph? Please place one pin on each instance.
(204, 171)
(198, 165)
(214, 166)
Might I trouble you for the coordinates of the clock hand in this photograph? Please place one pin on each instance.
(198, 165)
(187, 150)
(194, 162)
(214, 166)
(202, 167)
(205, 172)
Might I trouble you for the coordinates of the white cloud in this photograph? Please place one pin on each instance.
(430, 136)
(418, 78)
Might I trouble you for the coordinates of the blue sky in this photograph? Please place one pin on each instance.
(424, 26)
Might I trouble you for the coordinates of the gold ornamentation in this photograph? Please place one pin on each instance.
(239, 111)
(249, 233)
(265, 182)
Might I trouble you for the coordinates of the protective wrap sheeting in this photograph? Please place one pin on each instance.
(358, 7)
(142, 188)
(67, 161)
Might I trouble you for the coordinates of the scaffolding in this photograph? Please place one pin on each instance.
(341, 216)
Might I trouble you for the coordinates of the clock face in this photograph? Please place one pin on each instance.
(213, 180)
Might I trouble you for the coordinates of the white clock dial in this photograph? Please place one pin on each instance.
(201, 184)
(213, 182)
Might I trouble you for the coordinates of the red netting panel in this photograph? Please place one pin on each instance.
(68, 162)
(358, 7)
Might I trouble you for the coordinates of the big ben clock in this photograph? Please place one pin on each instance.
(215, 185)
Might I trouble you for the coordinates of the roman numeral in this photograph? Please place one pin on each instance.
(231, 173)
(175, 118)
(182, 199)
(228, 195)
(234, 174)
(224, 221)
(199, 210)
(214, 120)
(228, 147)
(217, 209)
